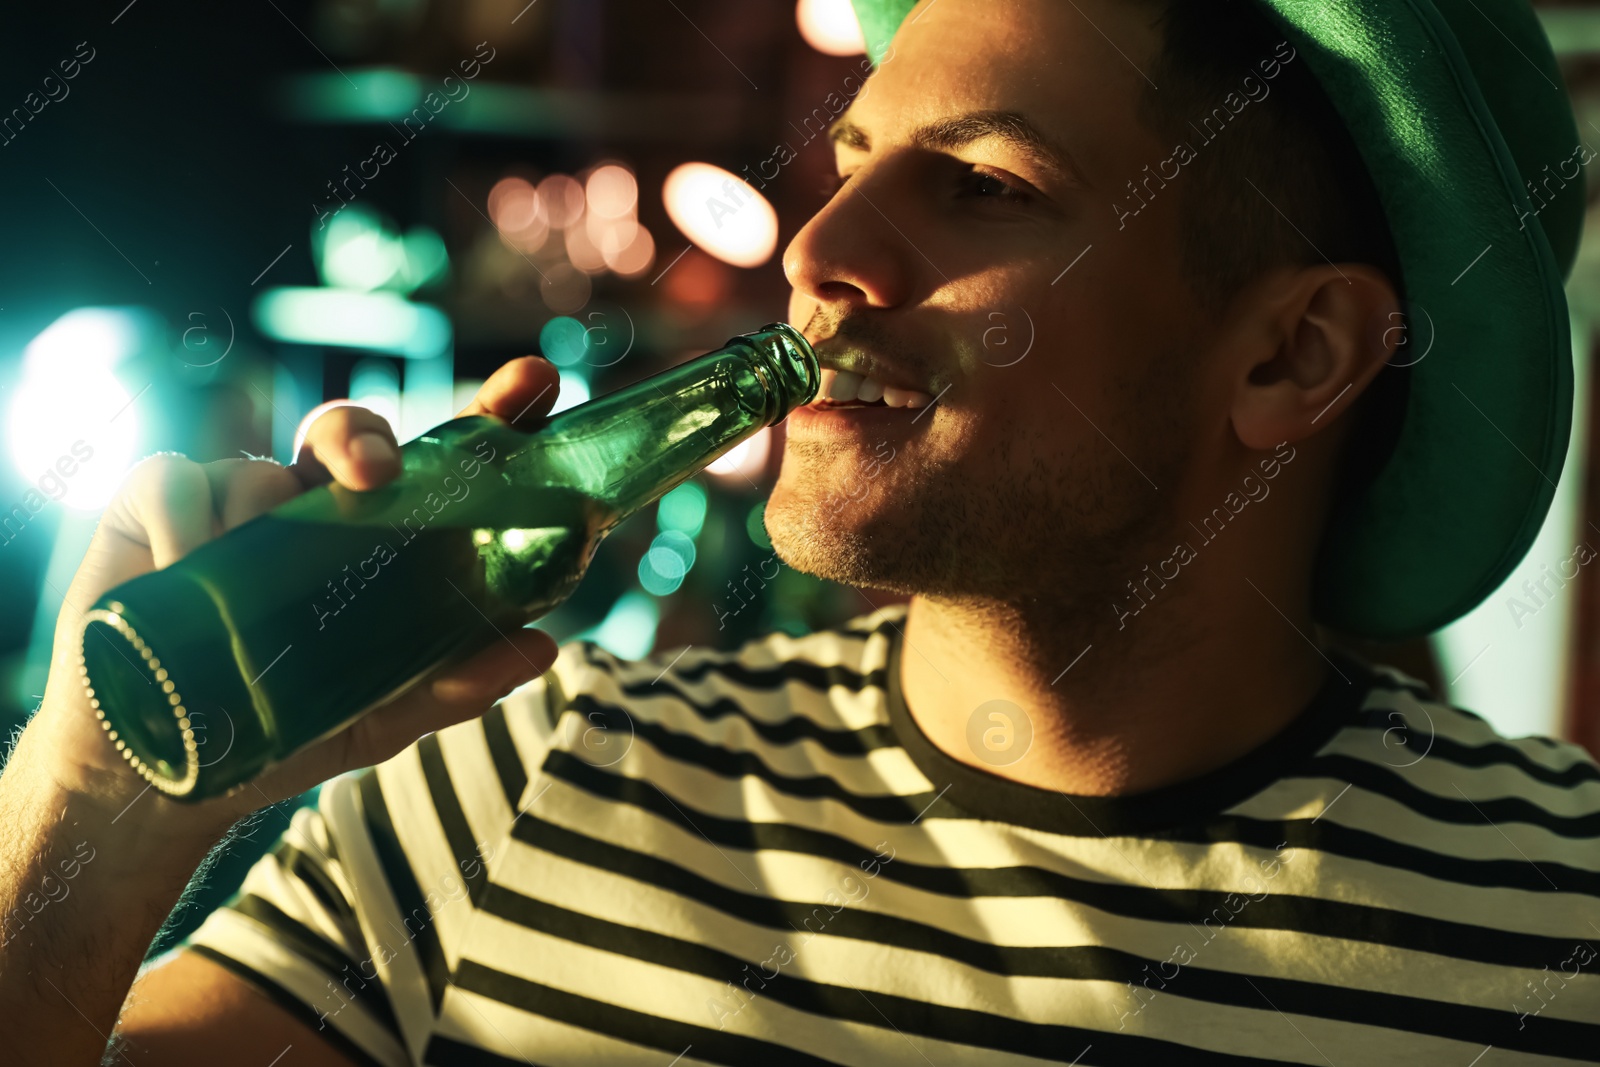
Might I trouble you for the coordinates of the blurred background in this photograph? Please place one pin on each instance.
(213, 224)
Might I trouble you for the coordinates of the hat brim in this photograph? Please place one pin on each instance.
(1488, 418)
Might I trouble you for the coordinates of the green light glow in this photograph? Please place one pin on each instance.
(358, 249)
(382, 322)
(683, 509)
(563, 341)
(755, 525)
(629, 628)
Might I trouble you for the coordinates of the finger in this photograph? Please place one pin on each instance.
(241, 489)
(523, 656)
(464, 691)
(348, 444)
(166, 504)
(461, 693)
(520, 392)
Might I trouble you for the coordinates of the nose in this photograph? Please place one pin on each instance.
(852, 252)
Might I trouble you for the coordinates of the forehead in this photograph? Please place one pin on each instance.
(1075, 68)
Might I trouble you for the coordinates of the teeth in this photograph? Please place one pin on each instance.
(842, 386)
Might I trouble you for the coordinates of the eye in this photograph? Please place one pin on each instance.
(986, 186)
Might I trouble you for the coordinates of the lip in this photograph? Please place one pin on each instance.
(809, 419)
(870, 365)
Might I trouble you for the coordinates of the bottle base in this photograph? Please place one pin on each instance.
(164, 754)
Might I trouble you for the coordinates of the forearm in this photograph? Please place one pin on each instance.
(85, 885)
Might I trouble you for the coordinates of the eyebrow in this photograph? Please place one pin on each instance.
(948, 134)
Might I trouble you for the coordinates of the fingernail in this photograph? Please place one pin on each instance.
(370, 447)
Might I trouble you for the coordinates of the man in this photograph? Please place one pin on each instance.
(1102, 794)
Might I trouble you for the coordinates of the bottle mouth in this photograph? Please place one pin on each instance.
(788, 365)
(151, 730)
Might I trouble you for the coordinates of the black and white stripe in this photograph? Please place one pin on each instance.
(755, 857)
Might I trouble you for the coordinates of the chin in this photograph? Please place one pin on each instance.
(873, 542)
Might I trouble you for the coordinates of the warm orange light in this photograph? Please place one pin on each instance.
(617, 231)
(722, 214)
(513, 204)
(562, 198)
(612, 191)
(830, 27)
(582, 251)
(633, 258)
(745, 461)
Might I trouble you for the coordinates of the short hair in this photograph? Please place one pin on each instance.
(1316, 201)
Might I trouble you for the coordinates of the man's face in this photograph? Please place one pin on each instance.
(963, 260)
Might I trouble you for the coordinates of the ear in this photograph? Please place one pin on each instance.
(1316, 336)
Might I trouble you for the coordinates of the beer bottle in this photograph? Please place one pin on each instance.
(285, 629)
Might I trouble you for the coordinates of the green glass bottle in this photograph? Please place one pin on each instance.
(287, 628)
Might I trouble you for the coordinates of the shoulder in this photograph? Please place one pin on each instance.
(826, 686)
(1426, 775)
(1402, 724)
(775, 663)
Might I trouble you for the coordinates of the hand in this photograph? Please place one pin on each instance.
(168, 505)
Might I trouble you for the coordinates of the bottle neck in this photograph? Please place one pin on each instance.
(629, 447)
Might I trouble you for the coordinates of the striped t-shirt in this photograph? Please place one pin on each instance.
(756, 857)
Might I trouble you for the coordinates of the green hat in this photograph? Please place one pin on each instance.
(1451, 103)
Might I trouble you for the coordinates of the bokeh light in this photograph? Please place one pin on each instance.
(697, 283)
(722, 213)
(382, 321)
(663, 567)
(831, 27)
(633, 259)
(73, 424)
(582, 252)
(517, 211)
(357, 250)
(574, 391)
(375, 385)
(616, 231)
(755, 525)
(513, 203)
(660, 572)
(426, 258)
(612, 191)
(746, 460)
(561, 197)
(683, 509)
(679, 544)
(564, 341)
(629, 629)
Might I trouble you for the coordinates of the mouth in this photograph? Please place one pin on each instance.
(849, 389)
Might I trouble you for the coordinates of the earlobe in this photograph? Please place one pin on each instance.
(1327, 323)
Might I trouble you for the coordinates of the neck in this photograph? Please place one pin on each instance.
(1198, 679)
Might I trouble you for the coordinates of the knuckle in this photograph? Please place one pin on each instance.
(245, 487)
(330, 423)
(342, 422)
(252, 469)
(165, 476)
